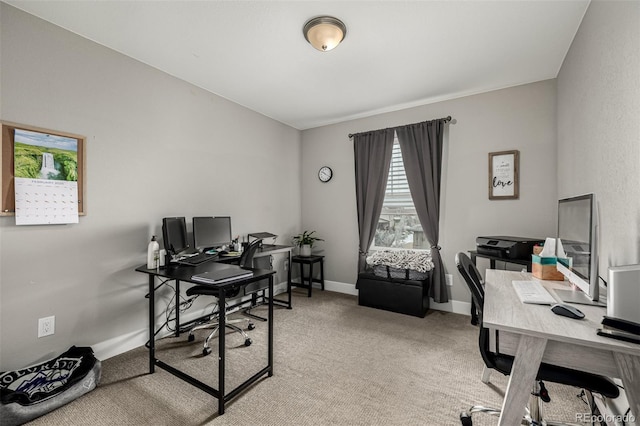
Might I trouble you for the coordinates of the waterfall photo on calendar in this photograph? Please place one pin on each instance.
(45, 156)
(46, 178)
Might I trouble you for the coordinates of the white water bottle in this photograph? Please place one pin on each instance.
(153, 254)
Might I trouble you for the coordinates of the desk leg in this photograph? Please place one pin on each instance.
(177, 325)
(629, 369)
(221, 349)
(152, 332)
(289, 281)
(270, 327)
(521, 380)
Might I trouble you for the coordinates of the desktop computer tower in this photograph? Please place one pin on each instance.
(623, 292)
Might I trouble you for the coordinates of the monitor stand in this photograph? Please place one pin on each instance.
(580, 298)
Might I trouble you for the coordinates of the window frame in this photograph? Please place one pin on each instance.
(397, 161)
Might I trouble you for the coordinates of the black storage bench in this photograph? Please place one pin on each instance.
(402, 295)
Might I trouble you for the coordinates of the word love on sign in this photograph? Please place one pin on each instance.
(503, 175)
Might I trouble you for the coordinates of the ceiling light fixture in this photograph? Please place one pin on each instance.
(324, 32)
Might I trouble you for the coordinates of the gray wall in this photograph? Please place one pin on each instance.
(599, 125)
(522, 118)
(147, 133)
(583, 136)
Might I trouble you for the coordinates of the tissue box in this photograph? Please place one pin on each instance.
(544, 268)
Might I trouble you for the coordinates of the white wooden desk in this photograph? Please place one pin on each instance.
(534, 334)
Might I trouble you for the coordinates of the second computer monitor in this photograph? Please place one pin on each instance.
(211, 232)
(174, 234)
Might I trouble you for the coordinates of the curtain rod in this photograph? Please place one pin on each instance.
(445, 120)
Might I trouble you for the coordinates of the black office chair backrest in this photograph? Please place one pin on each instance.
(473, 279)
(246, 259)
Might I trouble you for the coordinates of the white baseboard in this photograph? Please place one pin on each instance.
(126, 342)
(339, 287)
(120, 344)
(453, 306)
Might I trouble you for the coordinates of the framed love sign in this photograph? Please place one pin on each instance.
(503, 175)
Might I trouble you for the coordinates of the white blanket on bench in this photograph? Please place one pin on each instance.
(402, 259)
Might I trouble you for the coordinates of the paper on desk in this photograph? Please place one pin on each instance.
(549, 249)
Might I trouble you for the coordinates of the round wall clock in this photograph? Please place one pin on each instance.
(325, 174)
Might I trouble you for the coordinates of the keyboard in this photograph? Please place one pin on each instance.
(533, 292)
(196, 259)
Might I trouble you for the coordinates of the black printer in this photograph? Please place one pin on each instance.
(507, 247)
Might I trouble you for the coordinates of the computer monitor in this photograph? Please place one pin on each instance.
(577, 248)
(174, 234)
(211, 232)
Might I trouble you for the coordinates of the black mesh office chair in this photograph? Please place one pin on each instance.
(503, 363)
(246, 260)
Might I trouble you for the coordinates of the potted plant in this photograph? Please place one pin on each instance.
(305, 241)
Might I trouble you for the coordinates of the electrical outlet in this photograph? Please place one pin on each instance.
(46, 326)
(449, 279)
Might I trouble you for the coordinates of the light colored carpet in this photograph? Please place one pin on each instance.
(336, 363)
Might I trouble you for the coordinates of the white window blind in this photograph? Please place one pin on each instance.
(398, 225)
(397, 193)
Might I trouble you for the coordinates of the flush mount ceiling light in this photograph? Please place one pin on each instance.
(324, 32)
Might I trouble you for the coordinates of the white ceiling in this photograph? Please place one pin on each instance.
(396, 54)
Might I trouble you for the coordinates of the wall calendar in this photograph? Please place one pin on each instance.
(46, 173)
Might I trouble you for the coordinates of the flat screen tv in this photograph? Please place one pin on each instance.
(577, 247)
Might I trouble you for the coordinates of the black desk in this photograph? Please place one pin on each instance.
(492, 264)
(266, 250)
(184, 273)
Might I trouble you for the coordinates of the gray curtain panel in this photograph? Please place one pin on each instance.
(372, 162)
(421, 146)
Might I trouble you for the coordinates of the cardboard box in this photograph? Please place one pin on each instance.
(544, 268)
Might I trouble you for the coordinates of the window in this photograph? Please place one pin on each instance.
(398, 225)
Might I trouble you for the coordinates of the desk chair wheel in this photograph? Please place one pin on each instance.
(248, 342)
(465, 419)
(191, 338)
(251, 326)
(206, 351)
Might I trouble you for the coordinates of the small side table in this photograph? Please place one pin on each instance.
(310, 279)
